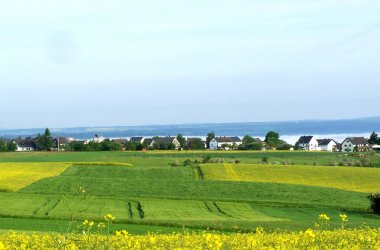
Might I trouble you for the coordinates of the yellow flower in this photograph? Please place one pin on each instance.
(101, 225)
(324, 217)
(88, 223)
(109, 217)
(343, 217)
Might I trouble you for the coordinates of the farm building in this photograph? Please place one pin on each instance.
(351, 144)
(225, 141)
(27, 144)
(309, 143)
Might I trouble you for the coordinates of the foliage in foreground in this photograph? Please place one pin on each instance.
(309, 239)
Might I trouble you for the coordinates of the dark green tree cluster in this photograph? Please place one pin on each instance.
(374, 138)
(164, 146)
(195, 144)
(106, 145)
(45, 141)
(7, 146)
(250, 143)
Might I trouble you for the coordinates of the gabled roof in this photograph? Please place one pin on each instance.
(121, 140)
(357, 140)
(136, 139)
(325, 142)
(222, 139)
(148, 141)
(167, 139)
(305, 139)
(27, 142)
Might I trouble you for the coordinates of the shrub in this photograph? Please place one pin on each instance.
(206, 159)
(187, 162)
(265, 160)
(175, 163)
(375, 202)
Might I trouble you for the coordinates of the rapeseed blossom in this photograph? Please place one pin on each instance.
(309, 239)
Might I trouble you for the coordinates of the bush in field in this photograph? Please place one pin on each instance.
(375, 202)
(175, 163)
(187, 162)
(206, 159)
(265, 160)
(218, 160)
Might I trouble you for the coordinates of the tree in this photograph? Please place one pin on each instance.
(374, 138)
(130, 145)
(3, 146)
(196, 144)
(181, 140)
(209, 137)
(11, 146)
(272, 139)
(248, 139)
(105, 145)
(45, 141)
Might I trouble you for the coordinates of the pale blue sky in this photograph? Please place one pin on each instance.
(95, 63)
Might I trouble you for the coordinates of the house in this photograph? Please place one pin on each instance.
(327, 144)
(308, 142)
(351, 144)
(27, 144)
(136, 139)
(222, 141)
(167, 139)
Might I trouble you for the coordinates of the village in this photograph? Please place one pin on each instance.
(272, 141)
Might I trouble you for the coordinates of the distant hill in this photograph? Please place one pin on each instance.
(344, 126)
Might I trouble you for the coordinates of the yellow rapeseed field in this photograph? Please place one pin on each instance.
(309, 239)
(359, 179)
(16, 175)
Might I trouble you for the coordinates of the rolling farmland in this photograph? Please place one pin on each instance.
(145, 193)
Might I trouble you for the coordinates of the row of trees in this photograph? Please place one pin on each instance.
(106, 145)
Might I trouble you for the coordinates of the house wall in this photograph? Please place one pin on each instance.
(24, 148)
(329, 147)
(348, 146)
(213, 144)
(311, 146)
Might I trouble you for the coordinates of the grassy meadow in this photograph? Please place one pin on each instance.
(39, 190)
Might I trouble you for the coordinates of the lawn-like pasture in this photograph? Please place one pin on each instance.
(144, 192)
(361, 179)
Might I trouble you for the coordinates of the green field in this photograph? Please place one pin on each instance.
(145, 193)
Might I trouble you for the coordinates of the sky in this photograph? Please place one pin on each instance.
(107, 63)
